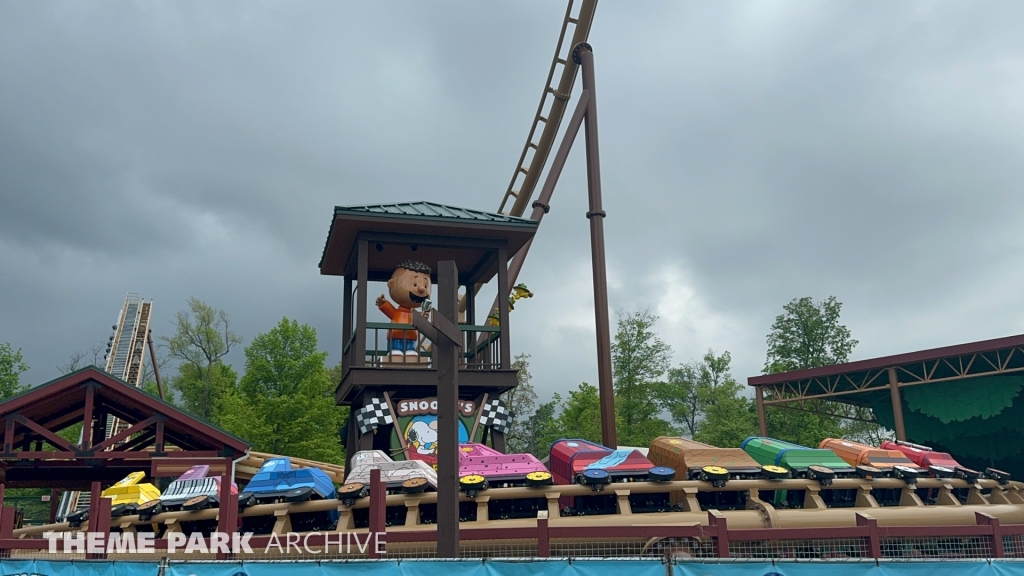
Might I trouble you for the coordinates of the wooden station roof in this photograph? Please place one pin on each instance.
(34, 455)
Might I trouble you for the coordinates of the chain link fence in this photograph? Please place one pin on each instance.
(1013, 546)
(945, 548)
(821, 549)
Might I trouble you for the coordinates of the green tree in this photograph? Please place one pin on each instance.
(541, 428)
(639, 359)
(202, 338)
(284, 403)
(580, 414)
(521, 402)
(809, 335)
(728, 421)
(194, 385)
(12, 365)
(707, 402)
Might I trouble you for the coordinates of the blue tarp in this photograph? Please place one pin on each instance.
(44, 568)
(512, 568)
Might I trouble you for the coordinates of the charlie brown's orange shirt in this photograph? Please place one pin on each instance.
(400, 315)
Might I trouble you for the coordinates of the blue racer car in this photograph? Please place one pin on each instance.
(276, 481)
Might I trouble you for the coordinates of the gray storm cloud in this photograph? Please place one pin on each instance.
(751, 154)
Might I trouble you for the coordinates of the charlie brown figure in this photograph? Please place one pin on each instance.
(409, 287)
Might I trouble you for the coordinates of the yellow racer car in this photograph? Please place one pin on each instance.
(132, 491)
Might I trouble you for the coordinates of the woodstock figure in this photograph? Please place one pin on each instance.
(409, 287)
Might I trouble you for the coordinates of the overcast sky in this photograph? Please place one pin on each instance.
(752, 153)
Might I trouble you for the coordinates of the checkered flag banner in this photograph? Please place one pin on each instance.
(373, 414)
(496, 415)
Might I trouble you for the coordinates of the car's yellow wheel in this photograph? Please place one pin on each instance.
(538, 478)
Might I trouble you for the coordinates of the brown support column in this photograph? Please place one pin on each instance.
(717, 521)
(378, 511)
(158, 442)
(346, 316)
(90, 396)
(352, 436)
(446, 362)
(543, 539)
(582, 54)
(95, 514)
(54, 504)
(762, 418)
(897, 405)
(227, 518)
(498, 440)
(1, 494)
(156, 365)
(504, 291)
(7, 517)
(359, 352)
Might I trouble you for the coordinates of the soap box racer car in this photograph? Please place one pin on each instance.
(871, 462)
(815, 463)
(482, 466)
(409, 476)
(126, 495)
(129, 492)
(698, 461)
(193, 490)
(276, 481)
(579, 461)
(940, 464)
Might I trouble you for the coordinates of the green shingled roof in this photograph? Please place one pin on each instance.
(432, 211)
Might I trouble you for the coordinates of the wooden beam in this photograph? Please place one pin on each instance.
(50, 436)
(138, 427)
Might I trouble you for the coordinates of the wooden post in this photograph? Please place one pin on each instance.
(762, 417)
(99, 516)
(378, 510)
(897, 405)
(227, 518)
(874, 541)
(543, 540)
(446, 362)
(717, 521)
(498, 440)
(346, 317)
(505, 290)
(983, 519)
(7, 516)
(54, 504)
(359, 351)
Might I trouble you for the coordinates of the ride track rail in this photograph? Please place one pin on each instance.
(531, 166)
(994, 519)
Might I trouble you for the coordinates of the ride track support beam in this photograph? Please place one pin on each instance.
(584, 55)
(897, 405)
(584, 116)
(762, 417)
